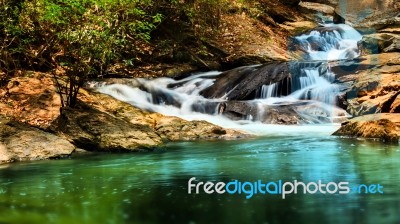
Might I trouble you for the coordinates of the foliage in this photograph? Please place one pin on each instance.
(204, 15)
(7, 63)
(81, 37)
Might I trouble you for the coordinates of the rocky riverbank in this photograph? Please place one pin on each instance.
(21, 142)
(374, 79)
(384, 127)
(32, 127)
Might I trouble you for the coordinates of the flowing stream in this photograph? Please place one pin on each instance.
(310, 81)
(153, 187)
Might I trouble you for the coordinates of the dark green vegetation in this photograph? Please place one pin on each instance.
(82, 39)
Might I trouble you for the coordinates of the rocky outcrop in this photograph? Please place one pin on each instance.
(21, 142)
(373, 83)
(105, 116)
(176, 129)
(385, 127)
(381, 42)
(118, 126)
(95, 130)
(242, 83)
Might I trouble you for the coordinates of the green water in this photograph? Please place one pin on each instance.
(152, 187)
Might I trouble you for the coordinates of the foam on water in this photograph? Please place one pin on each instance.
(310, 82)
(332, 42)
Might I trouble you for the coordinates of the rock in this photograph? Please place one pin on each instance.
(395, 107)
(327, 2)
(20, 142)
(245, 83)
(305, 112)
(376, 127)
(338, 19)
(373, 83)
(94, 130)
(318, 7)
(370, 14)
(166, 128)
(176, 129)
(380, 42)
(242, 83)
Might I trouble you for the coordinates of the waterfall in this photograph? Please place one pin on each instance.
(270, 90)
(330, 42)
(309, 93)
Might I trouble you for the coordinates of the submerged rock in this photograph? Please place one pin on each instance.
(21, 142)
(290, 113)
(385, 127)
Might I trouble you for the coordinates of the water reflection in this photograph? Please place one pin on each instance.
(152, 187)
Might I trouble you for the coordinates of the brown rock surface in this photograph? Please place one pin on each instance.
(385, 127)
(167, 127)
(20, 142)
(374, 83)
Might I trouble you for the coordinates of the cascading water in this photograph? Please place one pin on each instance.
(270, 90)
(330, 42)
(309, 91)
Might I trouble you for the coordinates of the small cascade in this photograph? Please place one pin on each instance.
(270, 90)
(330, 42)
(306, 95)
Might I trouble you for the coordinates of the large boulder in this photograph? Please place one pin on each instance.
(372, 83)
(242, 83)
(166, 128)
(94, 130)
(381, 42)
(21, 142)
(176, 129)
(379, 126)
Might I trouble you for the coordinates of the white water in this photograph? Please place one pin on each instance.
(182, 98)
(338, 41)
(270, 90)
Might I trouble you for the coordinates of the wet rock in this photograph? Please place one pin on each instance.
(242, 83)
(305, 112)
(21, 142)
(379, 126)
(176, 129)
(338, 19)
(94, 130)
